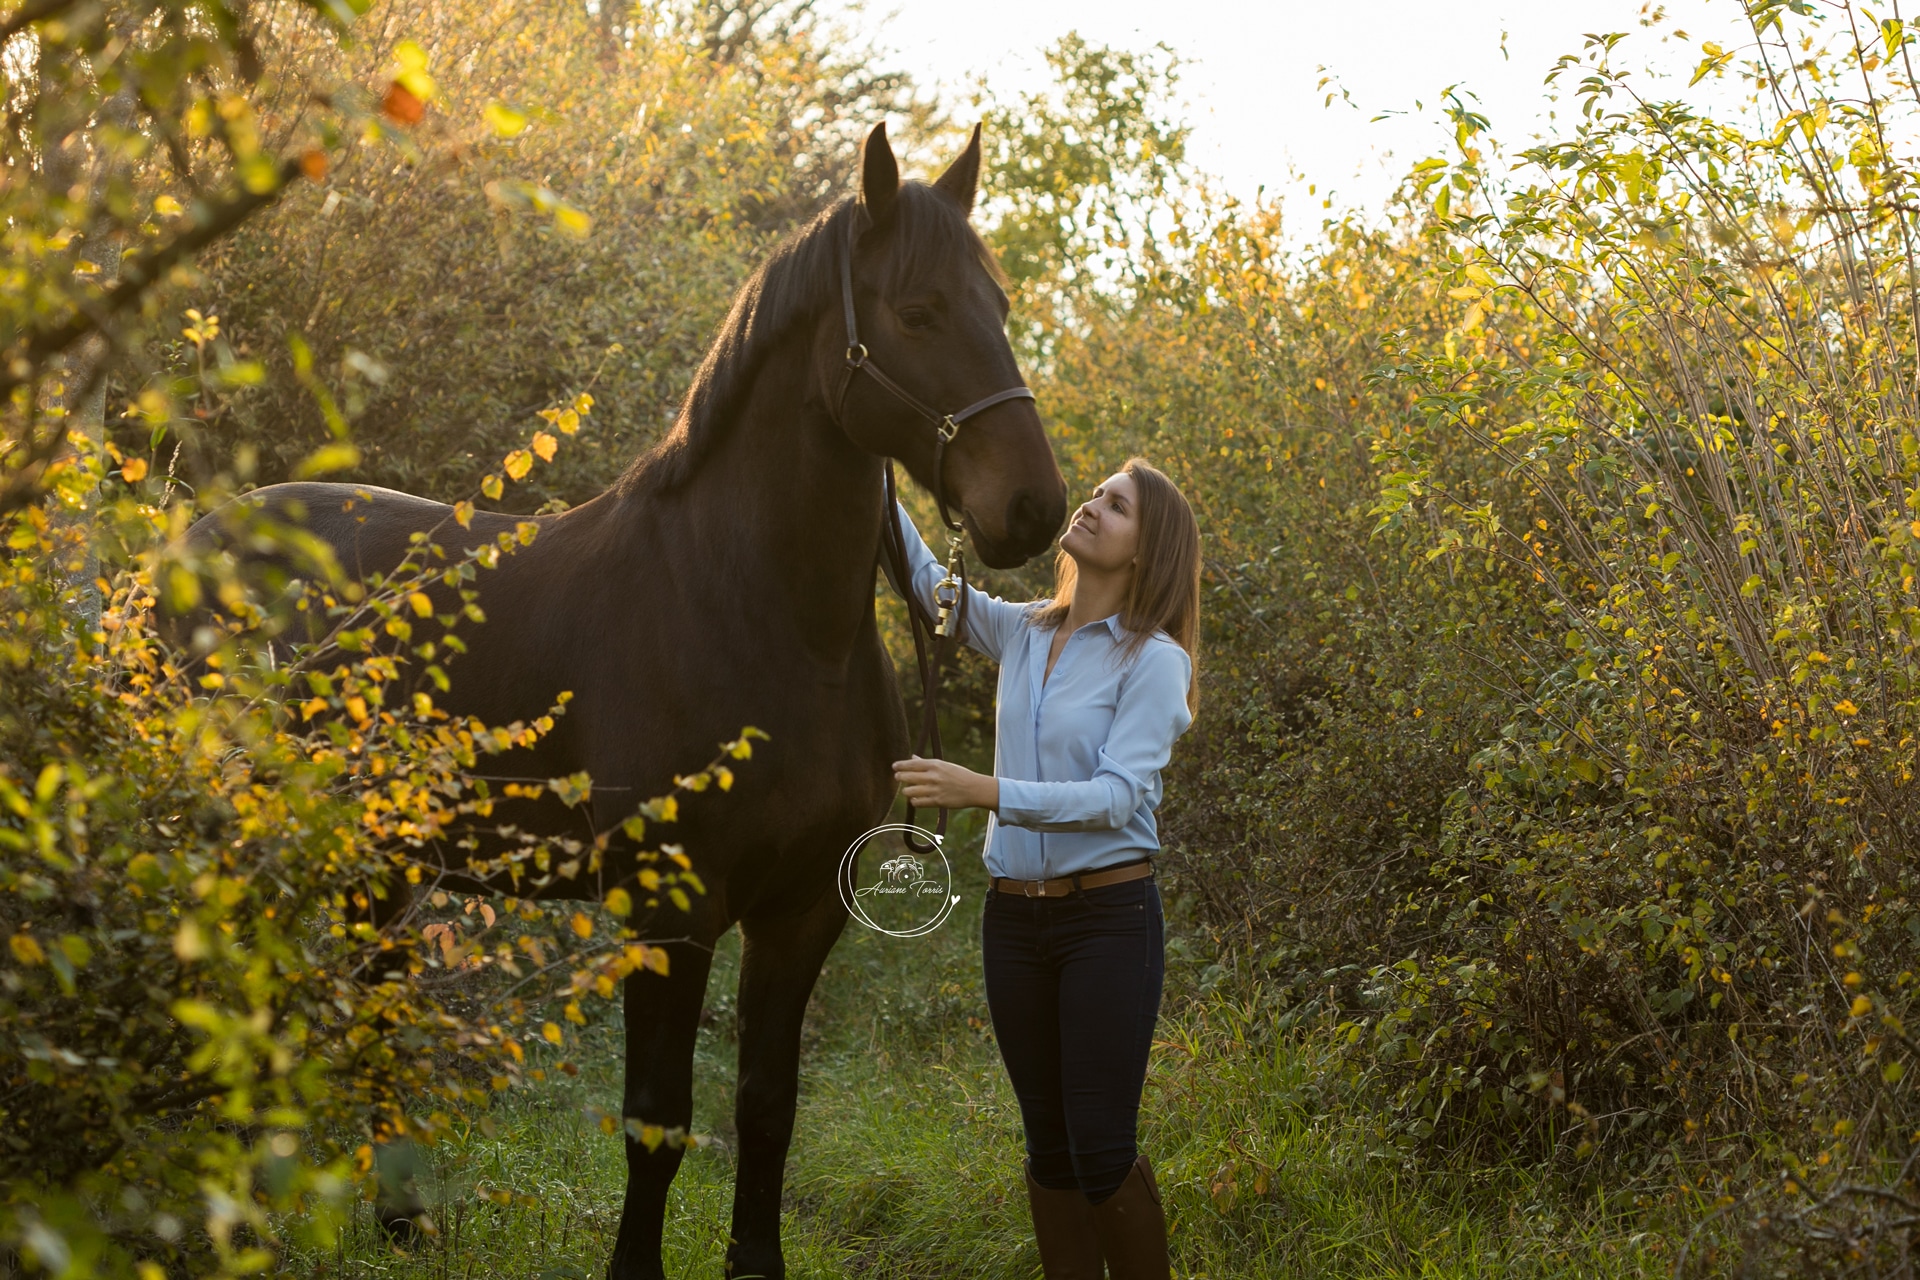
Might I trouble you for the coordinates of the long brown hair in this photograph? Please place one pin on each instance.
(1165, 593)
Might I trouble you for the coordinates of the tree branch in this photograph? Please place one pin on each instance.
(136, 277)
(29, 13)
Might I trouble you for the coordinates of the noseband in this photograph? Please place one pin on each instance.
(951, 591)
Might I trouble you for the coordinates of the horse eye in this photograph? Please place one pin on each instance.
(916, 317)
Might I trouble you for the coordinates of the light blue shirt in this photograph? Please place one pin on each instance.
(1078, 752)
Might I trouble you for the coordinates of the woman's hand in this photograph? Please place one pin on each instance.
(941, 784)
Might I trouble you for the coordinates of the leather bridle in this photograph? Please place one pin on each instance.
(951, 592)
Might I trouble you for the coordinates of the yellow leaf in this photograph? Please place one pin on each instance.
(620, 902)
(135, 471)
(655, 958)
(463, 514)
(1862, 1006)
(1914, 528)
(333, 457)
(567, 420)
(724, 776)
(410, 56)
(492, 487)
(422, 607)
(189, 943)
(166, 206)
(506, 122)
(26, 950)
(1846, 708)
(544, 445)
(1465, 293)
(572, 220)
(519, 462)
(583, 403)
(582, 926)
(573, 1013)
(551, 1032)
(357, 707)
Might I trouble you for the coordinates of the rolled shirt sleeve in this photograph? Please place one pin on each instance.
(1151, 712)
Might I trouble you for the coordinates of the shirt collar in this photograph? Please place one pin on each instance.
(1112, 624)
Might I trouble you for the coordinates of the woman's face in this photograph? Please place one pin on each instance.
(1104, 536)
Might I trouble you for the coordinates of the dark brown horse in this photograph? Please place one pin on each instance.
(728, 579)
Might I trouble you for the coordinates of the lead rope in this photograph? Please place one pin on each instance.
(950, 593)
(935, 640)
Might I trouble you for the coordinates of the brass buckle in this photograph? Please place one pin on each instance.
(947, 429)
(946, 592)
(856, 355)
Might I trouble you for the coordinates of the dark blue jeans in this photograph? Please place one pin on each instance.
(1073, 984)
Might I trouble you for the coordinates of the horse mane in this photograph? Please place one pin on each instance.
(799, 279)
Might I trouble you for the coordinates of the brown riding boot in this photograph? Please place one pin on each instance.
(1063, 1224)
(1133, 1229)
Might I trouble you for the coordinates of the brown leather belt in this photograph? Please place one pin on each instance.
(1061, 886)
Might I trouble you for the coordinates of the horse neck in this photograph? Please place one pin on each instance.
(794, 505)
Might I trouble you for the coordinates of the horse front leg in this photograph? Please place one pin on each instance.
(663, 1018)
(780, 960)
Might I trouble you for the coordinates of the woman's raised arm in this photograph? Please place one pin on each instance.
(991, 621)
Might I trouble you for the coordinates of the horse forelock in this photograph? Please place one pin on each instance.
(799, 279)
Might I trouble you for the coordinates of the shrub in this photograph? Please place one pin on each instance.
(204, 1039)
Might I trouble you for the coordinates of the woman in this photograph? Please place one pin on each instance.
(1095, 685)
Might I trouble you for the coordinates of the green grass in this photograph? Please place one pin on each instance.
(906, 1161)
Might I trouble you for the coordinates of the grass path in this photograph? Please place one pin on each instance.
(906, 1162)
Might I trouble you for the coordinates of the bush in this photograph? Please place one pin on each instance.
(205, 1041)
(1556, 730)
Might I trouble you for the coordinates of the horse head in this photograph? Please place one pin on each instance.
(921, 340)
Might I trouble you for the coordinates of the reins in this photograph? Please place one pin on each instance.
(950, 593)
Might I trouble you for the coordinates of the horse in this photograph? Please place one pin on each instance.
(728, 578)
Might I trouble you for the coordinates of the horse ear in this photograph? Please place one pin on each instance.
(962, 177)
(879, 174)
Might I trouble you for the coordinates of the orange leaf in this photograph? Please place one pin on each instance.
(400, 106)
(544, 445)
(135, 470)
(313, 162)
(519, 462)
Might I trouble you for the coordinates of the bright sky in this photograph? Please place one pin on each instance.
(1254, 64)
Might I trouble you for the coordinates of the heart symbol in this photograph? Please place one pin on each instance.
(956, 897)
